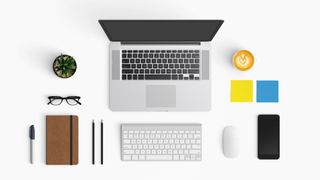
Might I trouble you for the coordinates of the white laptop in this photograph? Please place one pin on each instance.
(160, 65)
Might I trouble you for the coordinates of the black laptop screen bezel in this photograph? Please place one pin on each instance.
(215, 23)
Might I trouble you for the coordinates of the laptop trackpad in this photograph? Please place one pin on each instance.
(161, 95)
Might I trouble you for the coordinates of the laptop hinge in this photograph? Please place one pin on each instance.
(161, 42)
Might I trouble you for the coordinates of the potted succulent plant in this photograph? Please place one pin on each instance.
(64, 66)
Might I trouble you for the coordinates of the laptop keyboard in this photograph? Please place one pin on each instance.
(160, 64)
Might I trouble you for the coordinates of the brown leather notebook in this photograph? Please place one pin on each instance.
(62, 140)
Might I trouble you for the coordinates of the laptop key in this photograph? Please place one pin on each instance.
(140, 77)
(180, 77)
(127, 71)
(158, 77)
(174, 76)
(193, 71)
(126, 66)
(195, 55)
(195, 65)
(124, 77)
(125, 60)
(134, 77)
(129, 76)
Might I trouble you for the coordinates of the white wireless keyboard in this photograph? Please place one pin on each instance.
(161, 142)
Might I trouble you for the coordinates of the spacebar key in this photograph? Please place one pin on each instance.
(155, 77)
(159, 157)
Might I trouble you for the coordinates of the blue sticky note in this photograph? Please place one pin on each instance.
(267, 91)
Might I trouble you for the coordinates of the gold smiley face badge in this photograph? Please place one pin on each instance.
(243, 60)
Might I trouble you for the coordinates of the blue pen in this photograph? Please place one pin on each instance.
(32, 137)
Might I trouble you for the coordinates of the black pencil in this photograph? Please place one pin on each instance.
(101, 142)
(93, 142)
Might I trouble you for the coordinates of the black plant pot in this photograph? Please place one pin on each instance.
(64, 66)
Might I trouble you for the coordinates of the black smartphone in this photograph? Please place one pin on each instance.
(268, 136)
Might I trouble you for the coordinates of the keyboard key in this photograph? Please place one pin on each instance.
(124, 55)
(159, 157)
(125, 60)
(134, 77)
(174, 77)
(158, 77)
(180, 77)
(140, 77)
(195, 65)
(195, 56)
(163, 71)
(126, 66)
(136, 71)
(131, 61)
(127, 71)
(193, 71)
(157, 71)
(166, 66)
(197, 60)
(144, 66)
(129, 76)
(124, 77)
(169, 61)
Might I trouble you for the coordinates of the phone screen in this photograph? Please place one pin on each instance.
(268, 136)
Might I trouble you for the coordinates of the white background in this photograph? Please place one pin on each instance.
(283, 35)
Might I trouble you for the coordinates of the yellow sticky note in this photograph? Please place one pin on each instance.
(241, 90)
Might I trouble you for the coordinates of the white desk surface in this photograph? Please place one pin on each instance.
(283, 35)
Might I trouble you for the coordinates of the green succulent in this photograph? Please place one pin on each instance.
(64, 66)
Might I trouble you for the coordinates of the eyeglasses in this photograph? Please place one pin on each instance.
(57, 100)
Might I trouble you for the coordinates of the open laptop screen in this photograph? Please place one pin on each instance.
(160, 30)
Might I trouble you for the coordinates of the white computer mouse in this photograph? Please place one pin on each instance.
(230, 142)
